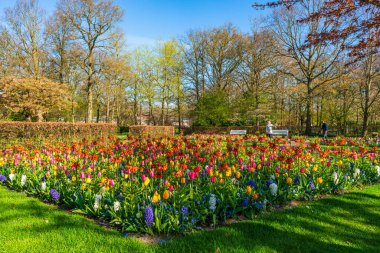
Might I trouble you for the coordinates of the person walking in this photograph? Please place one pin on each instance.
(269, 129)
(325, 128)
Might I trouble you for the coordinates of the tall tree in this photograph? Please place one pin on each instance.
(25, 22)
(357, 19)
(93, 21)
(311, 67)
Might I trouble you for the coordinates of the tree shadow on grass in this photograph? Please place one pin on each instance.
(335, 224)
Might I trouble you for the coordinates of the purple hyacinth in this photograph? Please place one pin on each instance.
(54, 194)
(3, 178)
(311, 184)
(149, 216)
(184, 211)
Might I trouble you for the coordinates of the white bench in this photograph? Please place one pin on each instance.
(280, 132)
(236, 132)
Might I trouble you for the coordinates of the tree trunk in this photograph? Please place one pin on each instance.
(89, 87)
(308, 111)
(40, 116)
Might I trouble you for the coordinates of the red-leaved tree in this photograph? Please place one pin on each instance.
(356, 22)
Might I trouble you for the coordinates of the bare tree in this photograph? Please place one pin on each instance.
(25, 22)
(93, 21)
(311, 67)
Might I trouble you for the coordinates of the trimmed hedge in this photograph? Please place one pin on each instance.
(58, 130)
(152, 130)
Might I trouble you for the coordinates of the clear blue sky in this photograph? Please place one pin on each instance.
(148, 20)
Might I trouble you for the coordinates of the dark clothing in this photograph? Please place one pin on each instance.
(324, 130)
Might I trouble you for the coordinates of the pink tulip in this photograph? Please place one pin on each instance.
(143, 177)
(112, 183)
(82, 175)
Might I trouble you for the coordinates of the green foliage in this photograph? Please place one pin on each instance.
(212, 109)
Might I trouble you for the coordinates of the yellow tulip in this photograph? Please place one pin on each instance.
(289, 180)
(319, 180)
(248, 189)
(146, 182)
(156, 197)
(238, 175)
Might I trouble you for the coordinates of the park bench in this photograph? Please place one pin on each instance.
(284, 132)
(236, 132)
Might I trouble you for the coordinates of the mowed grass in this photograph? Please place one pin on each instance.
(345, 223)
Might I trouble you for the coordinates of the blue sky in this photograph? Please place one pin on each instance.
(146, 21)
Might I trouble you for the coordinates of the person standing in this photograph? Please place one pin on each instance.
(324, 130)
(269, 129)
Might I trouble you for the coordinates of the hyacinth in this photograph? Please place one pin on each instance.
(356, 173)
(43, 186)
(184, 211)
(212, 202)
(311, 184)
(269, 182)
(335, 178)
(273, 189)
(12, 176)
(251, 183)
(245, 202)
(54, 194)
(149, 216)
(378, 170)
(116, 206)
(3, 178)
(23, 180)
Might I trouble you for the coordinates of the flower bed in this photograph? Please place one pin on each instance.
(167, 185)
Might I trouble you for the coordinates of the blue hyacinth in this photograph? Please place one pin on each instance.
(245, 202)
(311, 184)
(251, 183)
(184, 211)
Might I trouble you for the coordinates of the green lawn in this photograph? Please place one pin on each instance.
(346, 223)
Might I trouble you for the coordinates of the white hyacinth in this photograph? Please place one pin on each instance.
(273, 189)
(116, 206)
(378, 170)
(12, 176)
(23, 180)
(43, 186)
(356, 173)
(212, 202)
(335, 177)
(98, 198)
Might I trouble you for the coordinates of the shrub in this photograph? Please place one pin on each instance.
(58, 130)
(152, 130)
